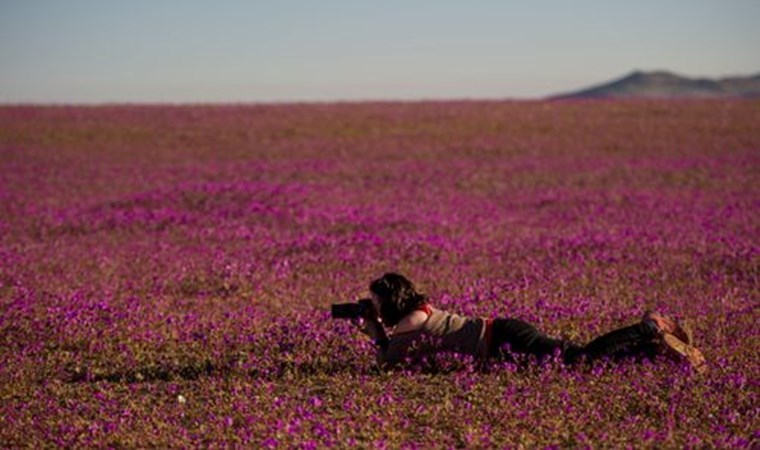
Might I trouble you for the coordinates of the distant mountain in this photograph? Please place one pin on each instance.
(663, 84)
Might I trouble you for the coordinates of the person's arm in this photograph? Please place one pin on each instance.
(390, 351)
(394, 352)
(387, 352)
(374, 329)
(371, 325)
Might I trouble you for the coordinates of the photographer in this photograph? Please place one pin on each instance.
(416, 329)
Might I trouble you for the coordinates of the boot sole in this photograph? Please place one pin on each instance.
(682, 349)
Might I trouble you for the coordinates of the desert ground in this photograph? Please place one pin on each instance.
(167, 271)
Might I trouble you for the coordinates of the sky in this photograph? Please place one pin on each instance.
(188, 51)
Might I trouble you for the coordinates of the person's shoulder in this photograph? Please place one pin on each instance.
(413, 321)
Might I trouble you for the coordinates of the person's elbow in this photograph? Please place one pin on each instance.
(385, 361)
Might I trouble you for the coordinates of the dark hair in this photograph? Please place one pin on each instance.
(397, 297)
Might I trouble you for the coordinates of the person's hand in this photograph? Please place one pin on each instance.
(370, 313)
(368, 327)
(358, 322)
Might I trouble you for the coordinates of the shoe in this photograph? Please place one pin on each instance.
(680, 349)
(667, 325)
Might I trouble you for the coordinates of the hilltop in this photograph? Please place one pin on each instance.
(663, 84)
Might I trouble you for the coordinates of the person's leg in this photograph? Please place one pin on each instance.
(632, 340)
(517, 336)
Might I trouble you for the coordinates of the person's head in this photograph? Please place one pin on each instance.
(396, 296)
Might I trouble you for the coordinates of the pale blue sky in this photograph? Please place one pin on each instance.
(91, 51)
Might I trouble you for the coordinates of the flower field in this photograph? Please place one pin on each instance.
(166, 272)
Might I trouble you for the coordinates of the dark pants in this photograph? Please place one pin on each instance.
(513, 336)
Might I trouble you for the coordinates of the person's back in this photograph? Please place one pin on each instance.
(441, 332)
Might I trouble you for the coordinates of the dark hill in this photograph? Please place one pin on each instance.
(663, 84)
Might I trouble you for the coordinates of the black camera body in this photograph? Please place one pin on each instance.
(353, 310)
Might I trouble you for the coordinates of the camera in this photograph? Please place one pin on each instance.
(353, 310)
